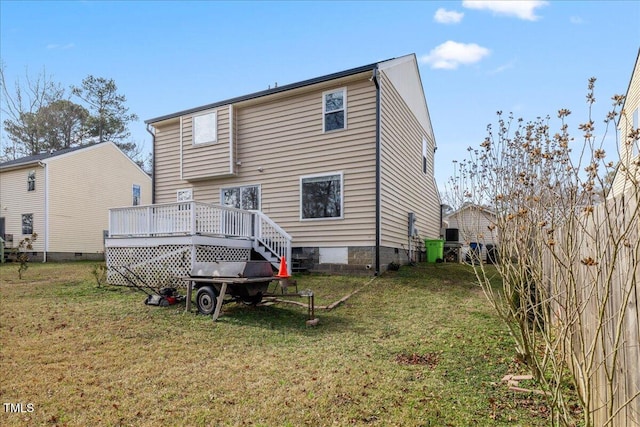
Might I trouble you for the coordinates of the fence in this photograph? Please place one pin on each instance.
(592, 272)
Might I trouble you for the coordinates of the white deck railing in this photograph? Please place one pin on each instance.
(190, 218)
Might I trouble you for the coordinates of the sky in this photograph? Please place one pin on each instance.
(475, 58)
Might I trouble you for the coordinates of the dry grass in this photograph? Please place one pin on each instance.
(416, 347)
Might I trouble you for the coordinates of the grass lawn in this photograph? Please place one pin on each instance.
(417, 347)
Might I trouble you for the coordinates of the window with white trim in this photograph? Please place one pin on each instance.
(27, 223)
(204, 128)
(31, 181)
(321, 196)
(185, 195)
(135, 195)
(241, 197)
(424, 155)
(334, 110)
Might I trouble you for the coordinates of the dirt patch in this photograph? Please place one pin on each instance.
(427, 359)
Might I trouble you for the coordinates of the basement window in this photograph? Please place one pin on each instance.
(31, 181)
(334, 110)
(321, 196)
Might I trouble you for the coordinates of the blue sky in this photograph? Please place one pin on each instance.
(476, 57)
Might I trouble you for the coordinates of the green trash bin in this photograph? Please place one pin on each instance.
(434, 249)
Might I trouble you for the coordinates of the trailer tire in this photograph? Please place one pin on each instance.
(206, 300)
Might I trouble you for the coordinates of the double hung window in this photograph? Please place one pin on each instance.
(27, 223)
(334, 110)
(31, 181)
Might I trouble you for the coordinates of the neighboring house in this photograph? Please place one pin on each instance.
(628, 172)
(64, 197)
(338, 162)
(474, 226)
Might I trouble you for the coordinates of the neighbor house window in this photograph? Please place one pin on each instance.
(204, 128)
(242, 197)
(31, 181)
(136, 194)
(634, 145)
(321, 196)
(334, 110)
(27, 223)
(424, 155)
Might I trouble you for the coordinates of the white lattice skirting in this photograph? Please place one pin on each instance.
(162, 266)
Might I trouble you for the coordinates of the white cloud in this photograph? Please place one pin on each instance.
(503, 67)
(523, 9)
(444, 16)
(449, 55)
(54, 46)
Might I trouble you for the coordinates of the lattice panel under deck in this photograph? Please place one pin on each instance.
(221, 253)
(162, 266)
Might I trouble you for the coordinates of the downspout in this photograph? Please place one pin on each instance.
(374, 77)
(46, 210)
(153, 163)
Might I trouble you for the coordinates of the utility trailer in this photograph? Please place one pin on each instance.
(246, 281)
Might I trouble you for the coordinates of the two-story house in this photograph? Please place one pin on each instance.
(64, 197)
(336, 163)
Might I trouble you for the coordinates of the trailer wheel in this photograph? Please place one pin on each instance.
(252, 300)
(206, 300)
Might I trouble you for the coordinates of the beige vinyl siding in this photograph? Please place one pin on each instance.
(15, 200)
(283, 135)
(167, 163)
(82, 187)
(217, 156)
(404, 186)
(632, 103)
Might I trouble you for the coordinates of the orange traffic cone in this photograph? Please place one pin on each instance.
(283, 273)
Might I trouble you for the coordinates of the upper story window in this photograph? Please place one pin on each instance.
(205, 128)
(31, 181)
(634, 149)
(334, 110)
(321, 196)
(424, 155)
(136, 194)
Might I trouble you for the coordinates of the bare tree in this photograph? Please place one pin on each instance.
(566, 250)
(23, 124)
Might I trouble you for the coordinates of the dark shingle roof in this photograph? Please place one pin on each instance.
(41, 156)
(271, 91)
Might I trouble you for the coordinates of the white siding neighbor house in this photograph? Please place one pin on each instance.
(475, 226)
(628, 172)
(331, 167)
(64, 197)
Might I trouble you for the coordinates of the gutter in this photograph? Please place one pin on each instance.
(46, 210)
(374, 78)
(151, 130)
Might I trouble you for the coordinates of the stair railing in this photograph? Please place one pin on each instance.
(269, 234)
